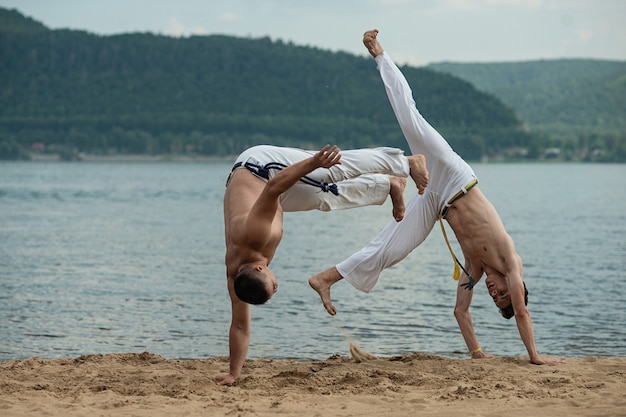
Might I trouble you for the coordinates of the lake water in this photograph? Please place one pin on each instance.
(128, 257)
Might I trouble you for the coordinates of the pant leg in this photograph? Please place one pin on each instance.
(365, 190)
(356, 162)
(393, 244)
(361, 179)
(448, 173)
(420, 135)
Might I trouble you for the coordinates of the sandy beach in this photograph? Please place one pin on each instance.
(144, 384)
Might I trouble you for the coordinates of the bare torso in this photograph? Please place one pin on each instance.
(486, 245)
(241, 194)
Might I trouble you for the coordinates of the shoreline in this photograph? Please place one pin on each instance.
(145, 384)
(38, 157)
(137, 158)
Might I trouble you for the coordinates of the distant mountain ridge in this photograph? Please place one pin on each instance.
(554, 96)
(71, 92)
(13, 20)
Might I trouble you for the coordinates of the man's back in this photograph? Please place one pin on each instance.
(241, 194)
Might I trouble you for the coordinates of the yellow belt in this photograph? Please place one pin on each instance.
(458, 195)
(457, 264)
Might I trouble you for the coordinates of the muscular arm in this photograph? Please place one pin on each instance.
(464, 319)
(262, 214)
(515, 284)
(525, 328)
(522, 315)
(238, 336)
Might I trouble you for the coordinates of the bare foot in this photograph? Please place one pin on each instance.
(397, 185)
(321, 283)
(371, 43)
(419, 172)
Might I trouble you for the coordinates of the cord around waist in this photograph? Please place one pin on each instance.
(458, 195)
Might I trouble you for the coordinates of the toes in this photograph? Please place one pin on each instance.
(331, 309)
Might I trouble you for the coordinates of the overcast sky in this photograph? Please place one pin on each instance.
(416, 32)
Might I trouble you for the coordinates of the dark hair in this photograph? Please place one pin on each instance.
(250, 286)
(507, 312)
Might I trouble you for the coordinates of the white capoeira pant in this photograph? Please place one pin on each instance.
(449, 175)
(362, 178)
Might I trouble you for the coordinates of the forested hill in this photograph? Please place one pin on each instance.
(559, 97)
(72, 91)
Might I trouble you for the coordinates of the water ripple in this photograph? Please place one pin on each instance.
(106, 258)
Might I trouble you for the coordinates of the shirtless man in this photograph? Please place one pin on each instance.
(267, 181)
(452, 194)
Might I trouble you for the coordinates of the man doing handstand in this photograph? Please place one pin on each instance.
(452, 194)
(269, 180)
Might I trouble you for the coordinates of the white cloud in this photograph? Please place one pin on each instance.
(392, 3)
(178, 29)
(529, 4)
(585, 35)
(230, 17)
(480, 4)
(455, 5)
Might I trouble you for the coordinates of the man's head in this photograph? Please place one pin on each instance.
(255, 284)
(507, 311)
(499, 292)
